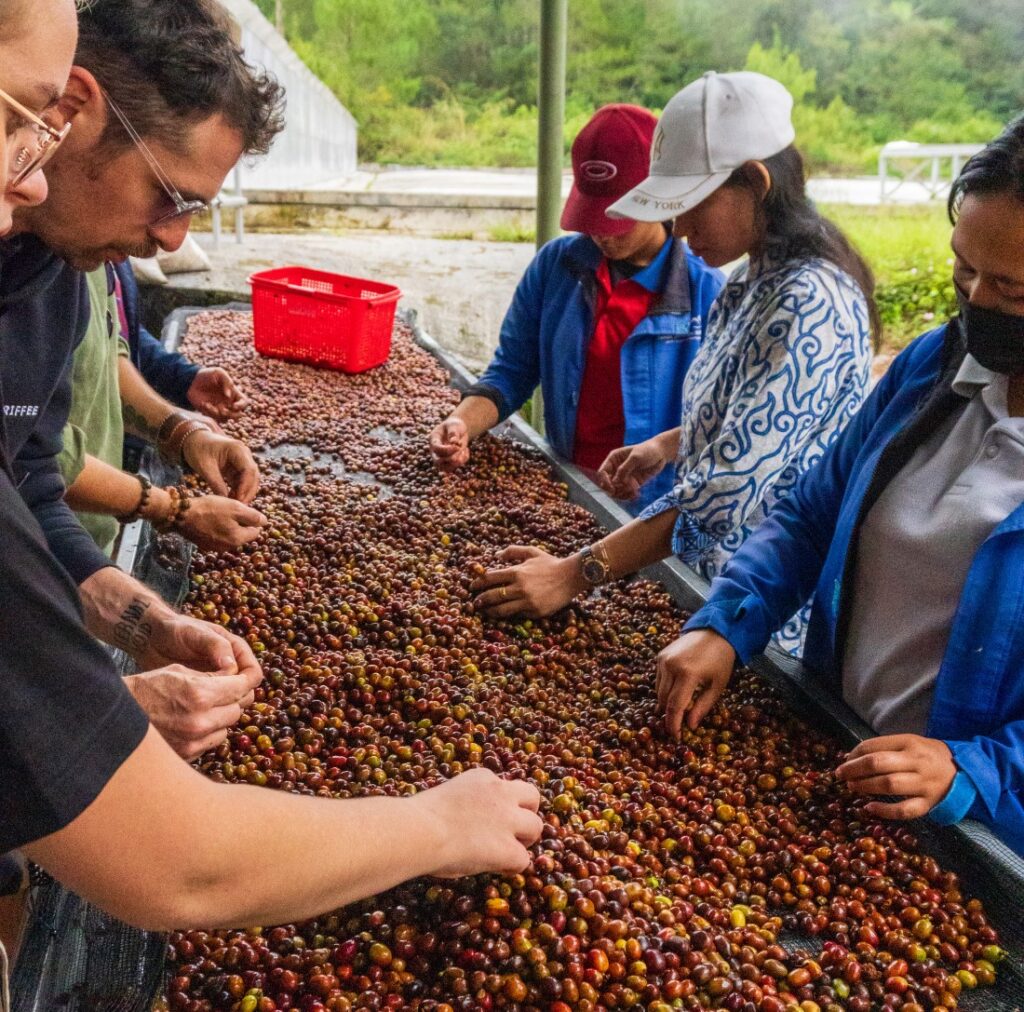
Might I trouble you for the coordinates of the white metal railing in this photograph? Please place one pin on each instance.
(320, 139)
(926, 161)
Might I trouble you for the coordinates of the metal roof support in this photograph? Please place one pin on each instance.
(554, 19)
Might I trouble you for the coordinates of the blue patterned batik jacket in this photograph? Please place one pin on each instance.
(785, 364)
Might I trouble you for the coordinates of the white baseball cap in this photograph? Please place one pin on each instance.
(707, 131)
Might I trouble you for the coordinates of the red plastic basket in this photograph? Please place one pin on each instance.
(324, 319)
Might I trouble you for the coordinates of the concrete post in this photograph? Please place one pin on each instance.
(554, 18)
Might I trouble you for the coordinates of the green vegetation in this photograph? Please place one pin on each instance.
(518, 231)
(908, 249)
(453, 82)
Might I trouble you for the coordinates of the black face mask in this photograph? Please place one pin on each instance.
(995, 339)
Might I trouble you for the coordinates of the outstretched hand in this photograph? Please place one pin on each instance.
(215, 394)
(449, 444)
(626, 470)
(535, 584)
(693, 672)
(918, 770)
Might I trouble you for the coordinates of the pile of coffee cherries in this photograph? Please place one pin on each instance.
(728, 871)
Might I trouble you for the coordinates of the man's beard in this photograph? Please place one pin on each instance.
(90, 260)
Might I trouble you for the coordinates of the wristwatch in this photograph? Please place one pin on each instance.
(595, 571)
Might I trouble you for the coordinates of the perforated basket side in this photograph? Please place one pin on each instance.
(327, 320)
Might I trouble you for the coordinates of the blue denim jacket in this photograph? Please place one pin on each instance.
(804, 546)
(548, 328)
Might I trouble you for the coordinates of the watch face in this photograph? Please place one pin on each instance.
(593, 571)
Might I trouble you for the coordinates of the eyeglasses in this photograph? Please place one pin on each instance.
(182, 208)
(33, 145)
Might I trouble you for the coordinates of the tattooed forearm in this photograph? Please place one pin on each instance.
(133, 630)
(137, 424)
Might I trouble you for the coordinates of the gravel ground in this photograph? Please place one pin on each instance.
(461, 288)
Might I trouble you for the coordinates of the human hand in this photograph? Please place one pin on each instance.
(214, 393)
(628, 468)
(483, 823)
(225, 464)
(449, 443)
(920, 770)
(193, 710)
(201, 646)
(216, 524)
(537, 584)
(693, 671)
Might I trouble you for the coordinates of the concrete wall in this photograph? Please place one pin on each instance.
(321, 136)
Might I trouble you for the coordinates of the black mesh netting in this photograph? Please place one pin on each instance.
(75, 958)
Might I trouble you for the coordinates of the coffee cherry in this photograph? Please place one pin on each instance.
(666, 874)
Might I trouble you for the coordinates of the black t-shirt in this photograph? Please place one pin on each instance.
(44, 311)
(67, 720)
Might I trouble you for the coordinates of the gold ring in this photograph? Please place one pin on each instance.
(504, 593)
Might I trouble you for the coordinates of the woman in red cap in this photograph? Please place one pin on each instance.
(607, 320)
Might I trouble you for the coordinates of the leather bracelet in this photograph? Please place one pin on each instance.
(188, 433)
(166, 444)
(172, 449)
(170, 423)
(146, 487)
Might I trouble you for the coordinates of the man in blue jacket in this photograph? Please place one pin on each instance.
(208, 390)
(910, 533)
(607, 321)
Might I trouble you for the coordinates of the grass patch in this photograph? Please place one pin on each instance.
(908, 249)
(893, 237)
(512, 231)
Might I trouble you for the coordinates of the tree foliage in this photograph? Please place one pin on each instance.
(454, 81)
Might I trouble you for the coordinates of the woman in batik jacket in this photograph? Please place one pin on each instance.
(784, 365)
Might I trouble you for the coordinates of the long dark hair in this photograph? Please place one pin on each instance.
(792, 227)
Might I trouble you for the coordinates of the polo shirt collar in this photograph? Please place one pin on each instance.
(972, 376)
(652, 277)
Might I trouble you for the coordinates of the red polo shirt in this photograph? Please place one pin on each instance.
(600, 416)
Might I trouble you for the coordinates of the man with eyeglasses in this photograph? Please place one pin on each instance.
(93, 794)
(150, 144)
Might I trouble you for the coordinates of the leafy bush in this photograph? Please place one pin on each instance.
(456, 132)
(454, 82)
(908, 250)
(914, 301)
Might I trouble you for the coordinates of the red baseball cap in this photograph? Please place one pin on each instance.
(611, 155)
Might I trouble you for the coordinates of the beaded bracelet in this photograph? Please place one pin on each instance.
(184, 505)
(180, 505)
(146, 487)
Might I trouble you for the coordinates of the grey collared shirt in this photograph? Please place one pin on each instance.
(916, 547)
